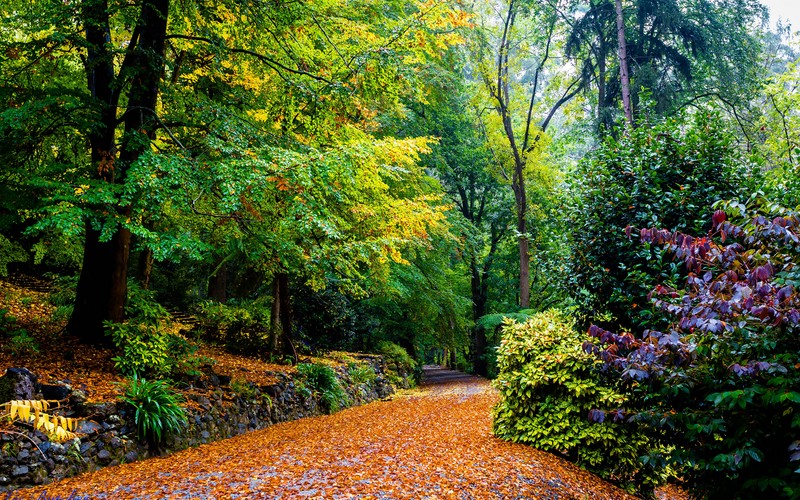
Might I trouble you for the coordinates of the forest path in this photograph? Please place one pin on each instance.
(435, 442)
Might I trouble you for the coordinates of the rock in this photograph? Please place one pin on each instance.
(115, 442)
(104, 455)
(88, 427)
(205, 435)
(23, 456)
(224, 380)
(58, 449)
(77, 397)
(131, 456)
(44, 446)
(85, 447)
(20, 470)
(55, 392)
(17, 383)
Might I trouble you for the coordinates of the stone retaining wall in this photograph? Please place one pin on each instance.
(108, 435)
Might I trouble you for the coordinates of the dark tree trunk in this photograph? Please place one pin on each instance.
(275, 330)
(102, 286)
(218, 283)
(623, 66)
(479, 299)
(522, 229)
(145, 267)
(94, 301)
(286, 315)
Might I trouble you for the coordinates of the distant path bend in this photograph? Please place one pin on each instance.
(435, 442)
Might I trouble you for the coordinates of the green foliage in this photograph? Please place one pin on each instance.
(659, 175)
(360, 373)
(10, 251)
(492, 321)
(398, 356)
(157, 408)
(144, 343)
(322, 380)
(241, 325)
(243, 388)
(548, 386)
(20, 342)
(62, 296)
(720, 381)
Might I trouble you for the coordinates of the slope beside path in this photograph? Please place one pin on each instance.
(434, 442)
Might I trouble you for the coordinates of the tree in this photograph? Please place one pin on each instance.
(503, 56)
(678, 51)
(624, 77)
(168, 95)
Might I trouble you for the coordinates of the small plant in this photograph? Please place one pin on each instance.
(183, 357)
(20, 342)
(157, 409)
(146, 346)
(62, 296)
(322, 380)
(361, 374)
(243, 389)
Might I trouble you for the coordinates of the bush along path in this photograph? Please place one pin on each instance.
(435, 442)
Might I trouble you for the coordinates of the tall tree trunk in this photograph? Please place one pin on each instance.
(95, 294)
(286, 315)
(522, 229)
(276, 329)
(623, 66)
(145, 267)
(479, 299)
(102, 286)
(218, 282)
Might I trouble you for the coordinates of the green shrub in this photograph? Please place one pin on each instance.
(661, 175)
(157, 410)
(242, 326)
(361, 374)
(548, 386)
(19, 343)
(10, 252)
(22, 344)
(721, 383)
(145, 345)
(243, 389)
(321, 380)
(395, 354)
(62, 296)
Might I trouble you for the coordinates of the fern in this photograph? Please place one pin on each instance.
(492, 321)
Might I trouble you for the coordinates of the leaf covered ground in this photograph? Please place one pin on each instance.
(62, 358)
(435, 442)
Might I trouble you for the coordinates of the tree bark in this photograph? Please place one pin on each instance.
(145, 267)
(479, 299)
(95, 301)
(218, 282)
(275, 330)
(102, 286)
(623, 66)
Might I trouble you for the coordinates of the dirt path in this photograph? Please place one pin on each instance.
(432, 443)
